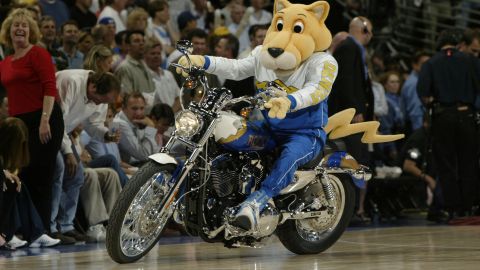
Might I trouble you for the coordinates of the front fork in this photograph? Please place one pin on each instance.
(182, 169)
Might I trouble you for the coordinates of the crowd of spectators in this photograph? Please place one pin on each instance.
(113, 97)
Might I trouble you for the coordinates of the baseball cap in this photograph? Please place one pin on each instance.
(106, 21)
(184, 18)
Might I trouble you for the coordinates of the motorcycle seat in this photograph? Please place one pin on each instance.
(330, 147)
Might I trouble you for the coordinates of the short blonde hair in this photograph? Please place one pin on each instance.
(151, 43)
(134, 16)
(22, 14)
(96, 53)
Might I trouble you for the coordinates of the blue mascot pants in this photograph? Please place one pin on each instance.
(296, 150)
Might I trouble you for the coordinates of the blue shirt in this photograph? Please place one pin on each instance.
(97, 148)
(58, 10)
(412, 107)
(394, 120)
(75, 61)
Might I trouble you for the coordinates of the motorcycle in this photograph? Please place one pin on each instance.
(202, 191)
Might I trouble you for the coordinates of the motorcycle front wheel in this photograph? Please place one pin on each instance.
(140, 213)
(315, 235)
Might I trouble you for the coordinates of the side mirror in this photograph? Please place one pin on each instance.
(184, 46)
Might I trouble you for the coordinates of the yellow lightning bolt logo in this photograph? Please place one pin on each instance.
(339, 125)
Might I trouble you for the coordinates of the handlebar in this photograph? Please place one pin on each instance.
(197, 74)
(257, 100)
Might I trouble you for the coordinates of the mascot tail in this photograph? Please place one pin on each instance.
(339, 125)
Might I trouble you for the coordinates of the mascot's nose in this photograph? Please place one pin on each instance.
(275, 52)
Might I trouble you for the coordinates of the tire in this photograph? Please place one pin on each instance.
(143, 196)
(293, 235)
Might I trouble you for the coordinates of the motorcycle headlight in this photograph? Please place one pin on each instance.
(187, 124)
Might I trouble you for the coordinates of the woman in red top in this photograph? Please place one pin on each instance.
(29, 78)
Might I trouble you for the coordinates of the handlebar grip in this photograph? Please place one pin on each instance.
(179, 66)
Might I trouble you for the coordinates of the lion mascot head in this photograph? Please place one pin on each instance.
(296, 32)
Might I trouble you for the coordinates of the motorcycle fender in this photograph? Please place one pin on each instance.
(163, 158)
(343, 161)
(300, 180)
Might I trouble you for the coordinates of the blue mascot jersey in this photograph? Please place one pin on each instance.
(308, 88)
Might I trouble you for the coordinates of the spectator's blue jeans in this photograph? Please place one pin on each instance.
(65, 195)
(109, 161)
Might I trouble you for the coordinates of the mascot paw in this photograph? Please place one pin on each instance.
(197, 60)
(278, 107)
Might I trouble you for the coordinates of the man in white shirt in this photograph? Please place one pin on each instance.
(199, 9)
(256, 34)
(166, 88)
(138, 131)
(84, 97)
(237, 28)
(259, 16)
(160, 25)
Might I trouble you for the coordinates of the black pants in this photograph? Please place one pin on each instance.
(27, 220)
(455, 155)
(7, 206)
(357, 149)
(38, 175)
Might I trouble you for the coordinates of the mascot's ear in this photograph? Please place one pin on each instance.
(320, 9)
(279, 5)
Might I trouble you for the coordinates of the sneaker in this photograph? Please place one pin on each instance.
(439, 217)
(249, 212)
(64, 240)
(78, 236)
(393, 171)
(15, 242)
(380, 172)
(96, 233)
(45, 241)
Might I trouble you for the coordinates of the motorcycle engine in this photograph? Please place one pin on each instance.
(240, 174)
(232, 178)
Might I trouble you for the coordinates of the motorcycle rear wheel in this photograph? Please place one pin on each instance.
(301, 237)
(140, 213)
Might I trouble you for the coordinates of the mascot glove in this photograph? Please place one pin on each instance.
(278, 106)
(197, 60)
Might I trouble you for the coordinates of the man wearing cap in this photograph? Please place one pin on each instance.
(111, 29)
(115, 9)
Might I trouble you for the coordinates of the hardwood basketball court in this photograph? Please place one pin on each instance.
(406, 247)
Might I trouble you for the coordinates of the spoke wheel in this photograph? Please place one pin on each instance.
(315, 235)
(140, 213)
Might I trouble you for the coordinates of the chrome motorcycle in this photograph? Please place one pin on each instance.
(203, 189)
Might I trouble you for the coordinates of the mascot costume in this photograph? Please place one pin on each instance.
(293, 57)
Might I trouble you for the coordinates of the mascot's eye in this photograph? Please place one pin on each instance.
(298, 27)
(279, 24)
